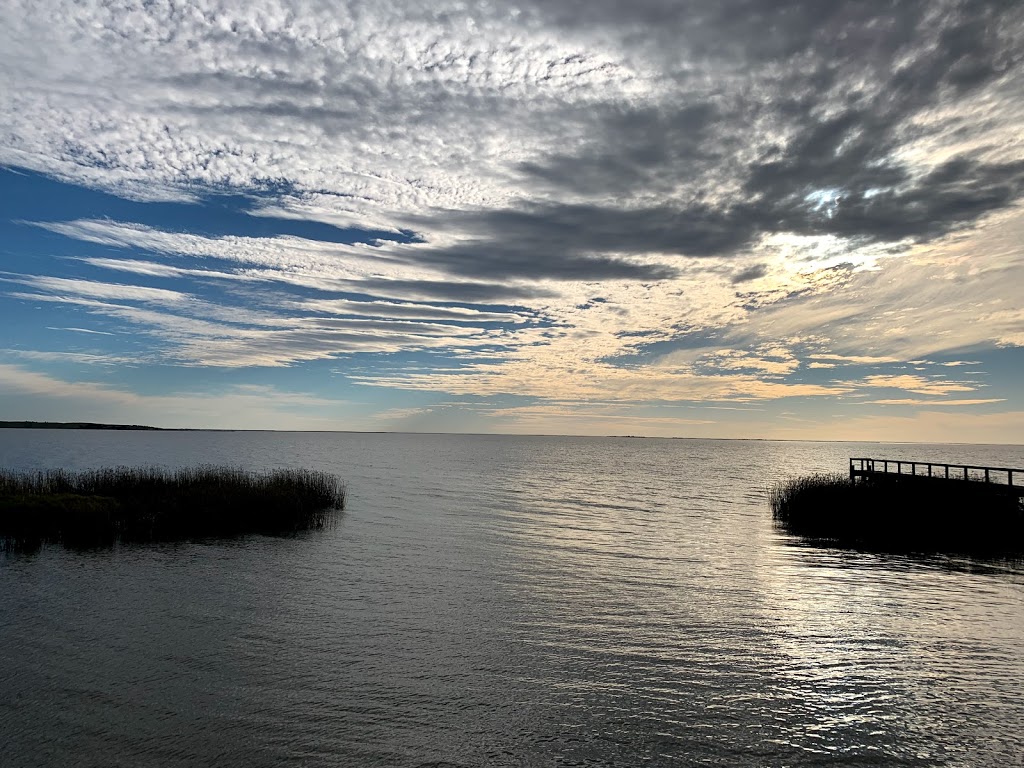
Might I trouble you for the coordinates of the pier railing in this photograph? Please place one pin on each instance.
(1008, 476)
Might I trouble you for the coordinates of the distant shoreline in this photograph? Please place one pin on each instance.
(72, 425)
(128, 427)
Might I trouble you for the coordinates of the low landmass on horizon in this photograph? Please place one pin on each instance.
(71, 425)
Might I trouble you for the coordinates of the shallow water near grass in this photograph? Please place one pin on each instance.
(507, 601)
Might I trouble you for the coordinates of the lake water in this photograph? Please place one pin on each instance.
(507, 601)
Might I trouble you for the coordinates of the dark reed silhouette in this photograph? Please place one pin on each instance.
(102, 506)
(901, 514)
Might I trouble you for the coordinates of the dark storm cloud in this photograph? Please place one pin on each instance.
(698, 229)
(566, 242)
(720, 121)
(955, 194)
(522, 257)
(438, 290)
(839, 84)
(842, 82)
(763, 31)
(632, 147)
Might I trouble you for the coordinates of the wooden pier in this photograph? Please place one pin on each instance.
(1003, 478)
(908, 506)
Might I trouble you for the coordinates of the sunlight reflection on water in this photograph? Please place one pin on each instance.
(508, 601)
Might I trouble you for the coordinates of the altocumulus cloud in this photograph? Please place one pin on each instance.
(641, 203)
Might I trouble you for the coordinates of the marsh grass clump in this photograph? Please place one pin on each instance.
(99, 507)
(901, 513)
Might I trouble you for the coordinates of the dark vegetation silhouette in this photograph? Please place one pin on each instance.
(902, 513)
(72, 425)
(103, 506)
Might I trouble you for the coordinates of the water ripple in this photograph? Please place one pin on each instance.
(508, 602)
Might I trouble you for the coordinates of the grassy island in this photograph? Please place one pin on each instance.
(103, 506)
(910, 515)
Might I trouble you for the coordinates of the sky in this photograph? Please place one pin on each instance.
(717, 218)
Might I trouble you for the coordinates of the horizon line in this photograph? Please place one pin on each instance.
(102, 426)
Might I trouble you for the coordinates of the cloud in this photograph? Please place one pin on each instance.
(196, 331)
(754, 272)
(81, 330)
(96, 290)
(593, 381)
(855, 359)
(720, 200)
(498, 119)
(951, 299)
(390, 269)
(86, 358)
(408, 311)
(933, 403)
(917, 384)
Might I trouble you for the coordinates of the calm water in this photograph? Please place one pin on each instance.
(507, 601)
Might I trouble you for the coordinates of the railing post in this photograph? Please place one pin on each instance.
(861, 467)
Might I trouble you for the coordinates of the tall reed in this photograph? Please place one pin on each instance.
(101, 506)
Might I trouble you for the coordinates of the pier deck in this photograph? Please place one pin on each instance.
(1009, 478)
